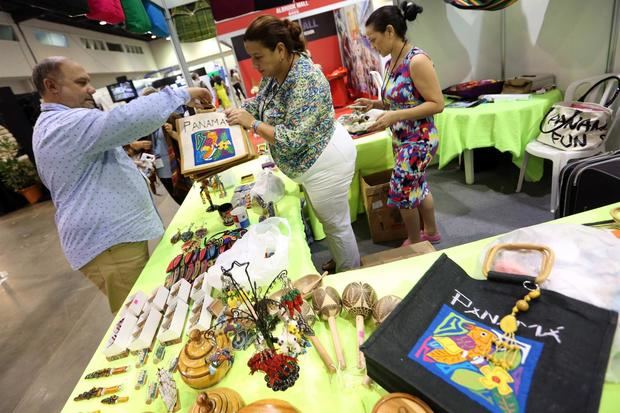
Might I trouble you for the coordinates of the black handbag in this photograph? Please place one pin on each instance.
(433, 346)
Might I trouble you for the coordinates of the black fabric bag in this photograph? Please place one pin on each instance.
(432, 346)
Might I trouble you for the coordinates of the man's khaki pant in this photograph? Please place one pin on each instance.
(116, 269)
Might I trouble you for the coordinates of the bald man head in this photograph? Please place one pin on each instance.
(61, 80)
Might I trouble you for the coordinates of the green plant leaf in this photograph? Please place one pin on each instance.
(469, 379)
(508, 403)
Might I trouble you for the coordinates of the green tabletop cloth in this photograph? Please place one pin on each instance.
(507, 126)
(315, 391)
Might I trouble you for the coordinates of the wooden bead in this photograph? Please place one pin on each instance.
(534, 294)
(522, 305)
(515, 310)
(527, 298)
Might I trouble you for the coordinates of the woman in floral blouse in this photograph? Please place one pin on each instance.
(293, 112)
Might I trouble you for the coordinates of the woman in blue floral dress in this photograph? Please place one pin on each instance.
(293, 112)
(411, 95)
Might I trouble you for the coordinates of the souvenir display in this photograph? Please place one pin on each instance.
(200, 288)
(146, 328)
(135, 303)
(158, 298)
(176, 237)
(220, 400)
(199, 255)
(160, 353)
(142, 357)
(250, 316)
(152, 392)
(118, 342)
(179, 292)
(97, 392)
(172, 367)
(327, 303)
(106, 372)
(225, 211)
(168, 390)
(481, 345)
(384, 307)
(356, 123)
(200, 317)
(359, 299)
(269, 406)
(208, 144)
(205, 359)
(205, 196)
(402, 403)
(310, 317)
(172, 326)
(115, 400)
(141, 379)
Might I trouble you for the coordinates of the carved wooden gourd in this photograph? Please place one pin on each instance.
(384, 307)
(401, 403)
(326, 302)
(358, 299)
(193, 364)
(220, 400)
(269, 406)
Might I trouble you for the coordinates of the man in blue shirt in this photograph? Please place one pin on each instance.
(104, 210)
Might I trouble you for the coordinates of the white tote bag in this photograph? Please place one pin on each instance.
(578, 126)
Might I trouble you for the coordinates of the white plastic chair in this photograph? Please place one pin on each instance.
(558, 157)
(376, 79)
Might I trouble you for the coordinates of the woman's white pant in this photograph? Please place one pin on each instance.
(327, 184)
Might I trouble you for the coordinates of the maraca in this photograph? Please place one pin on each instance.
(327, 304)
(358, 299)
(309, 317)
(384, 307)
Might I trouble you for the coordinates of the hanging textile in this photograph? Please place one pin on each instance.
(136, 19)
(194, 22)
(109, 11)
(159, 27)
(481, 4)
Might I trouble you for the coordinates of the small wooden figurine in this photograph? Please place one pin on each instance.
(220, 400)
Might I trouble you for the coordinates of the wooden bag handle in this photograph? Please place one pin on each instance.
(545, 267)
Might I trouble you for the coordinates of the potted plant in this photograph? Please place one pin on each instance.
(18, 173)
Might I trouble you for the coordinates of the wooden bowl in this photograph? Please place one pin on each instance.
(401, 403)
(220, 400)
(307, 284)
(269, 406)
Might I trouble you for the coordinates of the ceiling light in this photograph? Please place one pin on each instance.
(168, 38)
(153, 37)
(149, 32)
(103, 22)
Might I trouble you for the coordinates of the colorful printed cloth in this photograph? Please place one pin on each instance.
(415, 141)
(301, 112)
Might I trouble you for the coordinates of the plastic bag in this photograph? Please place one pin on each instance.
(268, 187)
(264, 246)
(586, 268)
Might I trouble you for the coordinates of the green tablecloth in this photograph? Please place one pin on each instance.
(315, 390)
(507, 126)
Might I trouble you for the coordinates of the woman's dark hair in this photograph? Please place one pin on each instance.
(395, 16)
(270, 31)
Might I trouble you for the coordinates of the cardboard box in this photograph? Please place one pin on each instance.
(395, 254)
(385, 223)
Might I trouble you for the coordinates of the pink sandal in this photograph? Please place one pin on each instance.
(433, 239)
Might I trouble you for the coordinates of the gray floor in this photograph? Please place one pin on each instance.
(52, 319)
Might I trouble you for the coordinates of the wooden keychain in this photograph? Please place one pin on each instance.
(309, 317)
(326, 302)
(358, 299)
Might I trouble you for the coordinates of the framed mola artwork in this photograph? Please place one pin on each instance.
(208, 142)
